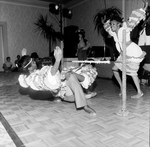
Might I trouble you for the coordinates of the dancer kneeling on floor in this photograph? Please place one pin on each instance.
(66, 85)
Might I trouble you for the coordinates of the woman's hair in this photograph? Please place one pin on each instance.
(34, 55)
(116, 18)
(80, 31)
(7, 58)
(25, 63)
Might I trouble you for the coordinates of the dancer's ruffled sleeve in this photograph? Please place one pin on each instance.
(22, 81)
(53, 81)
(44, 80)
(135, 17)
(41, 80)
(90, 73)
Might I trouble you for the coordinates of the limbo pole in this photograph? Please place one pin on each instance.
(123, 111)
(124, 85)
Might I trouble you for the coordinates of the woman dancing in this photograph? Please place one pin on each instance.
(134, 54)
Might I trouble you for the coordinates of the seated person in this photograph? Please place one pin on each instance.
(16, 68)
(17, 60)
(36, 58)
(48, 79)
(145, 76)
(7, 66)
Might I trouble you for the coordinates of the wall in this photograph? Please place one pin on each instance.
(83, 15)
(84, 12)
(21, 29)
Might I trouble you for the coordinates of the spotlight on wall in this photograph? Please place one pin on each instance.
(67, 13)
(62, 12)
(54, 8)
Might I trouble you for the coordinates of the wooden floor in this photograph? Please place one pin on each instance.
(35, 123)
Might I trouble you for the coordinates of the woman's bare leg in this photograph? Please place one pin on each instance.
(137, 84)
(117, 76)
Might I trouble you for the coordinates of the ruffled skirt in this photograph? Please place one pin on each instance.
(134, 56)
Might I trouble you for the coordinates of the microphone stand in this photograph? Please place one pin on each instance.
(104, 53)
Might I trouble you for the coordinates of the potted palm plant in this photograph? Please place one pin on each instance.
(46, 30)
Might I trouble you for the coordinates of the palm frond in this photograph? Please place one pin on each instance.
(45, 29)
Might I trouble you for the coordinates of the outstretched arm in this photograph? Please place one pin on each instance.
(136, 16)
(58, 57)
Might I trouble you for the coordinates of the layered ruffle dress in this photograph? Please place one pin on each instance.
(43, 80)
(134, 54)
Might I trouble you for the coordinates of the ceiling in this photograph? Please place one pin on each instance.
(44, 3)
(67, 3)
(58, 1)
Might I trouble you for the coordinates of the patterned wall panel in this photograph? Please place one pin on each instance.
(21, 29)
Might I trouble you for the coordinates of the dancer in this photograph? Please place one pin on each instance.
(66, 85)
(82, 45)
(134, 54)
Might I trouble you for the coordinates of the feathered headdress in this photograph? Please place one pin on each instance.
(104, 15)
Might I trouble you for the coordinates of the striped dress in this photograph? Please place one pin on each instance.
(42, 80)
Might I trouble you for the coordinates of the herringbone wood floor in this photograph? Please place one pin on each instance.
(51, 124)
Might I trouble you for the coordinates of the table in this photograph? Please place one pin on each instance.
(105, 70)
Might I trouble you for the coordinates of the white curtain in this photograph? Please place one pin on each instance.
(1, 49)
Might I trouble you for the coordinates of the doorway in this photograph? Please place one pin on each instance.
(3, 43)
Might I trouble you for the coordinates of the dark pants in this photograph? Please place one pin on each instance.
(82, 55)
(36, 95)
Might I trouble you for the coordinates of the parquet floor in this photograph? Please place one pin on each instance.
(36, 123)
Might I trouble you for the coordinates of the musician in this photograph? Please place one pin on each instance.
(66, 85)
(134, 54)
(82, 45)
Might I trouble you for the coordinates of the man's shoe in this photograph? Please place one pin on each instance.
(57, 100)
(90, 95)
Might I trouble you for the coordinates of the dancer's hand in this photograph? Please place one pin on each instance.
(58, 54)
(67, 75)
